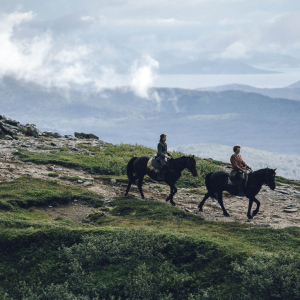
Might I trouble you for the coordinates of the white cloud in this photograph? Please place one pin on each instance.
(37, 58)
(142, 78)
(212, 117)
(145, 22)
(274, 35)
(44, 60)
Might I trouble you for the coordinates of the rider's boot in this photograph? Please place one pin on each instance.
(241, 188)
(159, 175)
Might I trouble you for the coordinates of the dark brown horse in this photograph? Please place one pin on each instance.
(137, 169)
(217, 182)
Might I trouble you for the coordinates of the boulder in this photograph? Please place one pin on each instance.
(51, 134)
(32, 130)
(7, 129)
(82, 135)
(70, 137)
(56, 135)
(12, 122)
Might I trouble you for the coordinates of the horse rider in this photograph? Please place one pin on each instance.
(239, 168)
(162, 155)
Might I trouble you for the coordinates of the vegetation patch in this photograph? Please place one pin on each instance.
(25, 192)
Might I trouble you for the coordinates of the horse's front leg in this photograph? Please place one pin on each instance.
(249, 208)
(255, 212)
(173, 191)
(220, 200)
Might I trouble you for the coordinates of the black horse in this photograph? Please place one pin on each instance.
(217, 182)
(137, 169)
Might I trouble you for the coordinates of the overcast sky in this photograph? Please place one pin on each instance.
(94, 42)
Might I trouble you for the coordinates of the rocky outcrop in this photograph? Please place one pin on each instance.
(11, 129)
(82, 135)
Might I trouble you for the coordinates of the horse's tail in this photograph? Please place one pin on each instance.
(209, 186)
(130, 169)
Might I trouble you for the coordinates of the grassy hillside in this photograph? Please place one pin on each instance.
(133, 249)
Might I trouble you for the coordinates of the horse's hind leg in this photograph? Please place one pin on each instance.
(128, 188)
(207, 195)
(129, 185)
(220, 200)
(140, 183)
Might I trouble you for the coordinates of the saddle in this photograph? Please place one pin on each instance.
(153, 164)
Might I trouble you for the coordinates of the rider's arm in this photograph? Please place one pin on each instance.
(244, 164)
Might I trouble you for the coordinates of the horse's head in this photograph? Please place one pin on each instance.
(270, 178)
(191, 165)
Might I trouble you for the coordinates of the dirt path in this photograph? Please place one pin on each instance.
(279, 208)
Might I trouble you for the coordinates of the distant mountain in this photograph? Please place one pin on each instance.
(296, 85)
(186, 116)
(291, 92)
(218, 66)
(271, 60)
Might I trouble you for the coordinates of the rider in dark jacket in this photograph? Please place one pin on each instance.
(162, 154)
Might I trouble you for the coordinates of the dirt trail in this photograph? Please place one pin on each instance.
(279, 208)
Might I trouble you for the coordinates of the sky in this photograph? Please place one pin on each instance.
(99, 43)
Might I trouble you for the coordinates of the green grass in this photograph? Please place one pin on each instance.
(25, 192)
(146, 246)
(134, 249)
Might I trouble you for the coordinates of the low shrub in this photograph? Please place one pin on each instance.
(266, 277)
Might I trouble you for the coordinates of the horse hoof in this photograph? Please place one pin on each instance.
(173, 203)
(250, 217)
(167, 199)
(227, 215)
(200, 209)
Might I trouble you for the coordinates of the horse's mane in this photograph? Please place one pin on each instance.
(259, 173)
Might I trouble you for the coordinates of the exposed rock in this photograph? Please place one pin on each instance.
(86, 136)
(290, 210)
(282, 191)
(56, 135)
(71, 137)
(32, 130)
(51, 134)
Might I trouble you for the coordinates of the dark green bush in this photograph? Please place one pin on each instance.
(266, 277)
(125, 264)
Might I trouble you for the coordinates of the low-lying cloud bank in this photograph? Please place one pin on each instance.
(42, 59)
(287, 165)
